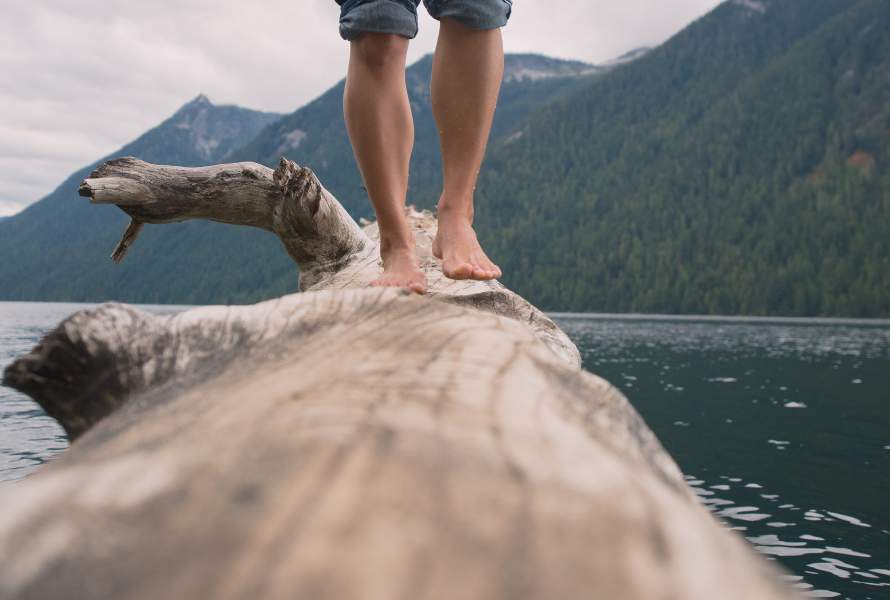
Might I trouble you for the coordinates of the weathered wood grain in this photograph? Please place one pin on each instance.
(356, 444)
(345, 442)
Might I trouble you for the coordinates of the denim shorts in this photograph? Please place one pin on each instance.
(400, 16)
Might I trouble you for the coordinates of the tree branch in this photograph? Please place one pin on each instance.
(290, 202)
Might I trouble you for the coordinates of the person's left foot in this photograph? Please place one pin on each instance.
(400, 269)
(458, 248)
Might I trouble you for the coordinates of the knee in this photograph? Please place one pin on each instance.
(380, 52)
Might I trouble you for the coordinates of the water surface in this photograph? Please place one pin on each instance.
(783, 428)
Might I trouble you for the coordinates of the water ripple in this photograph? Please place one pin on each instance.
(800, 548)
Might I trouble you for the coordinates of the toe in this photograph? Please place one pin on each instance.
(384, 282)
(461, 270)
(478, 269)
(493, 271)
(481, 274)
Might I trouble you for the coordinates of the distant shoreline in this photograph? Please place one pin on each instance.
(876, 322)
(731, 319)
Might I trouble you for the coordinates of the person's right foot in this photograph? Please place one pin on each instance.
(458, 248)
(400, 269)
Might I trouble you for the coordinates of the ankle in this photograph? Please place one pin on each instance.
(455, 210)
(396, 245)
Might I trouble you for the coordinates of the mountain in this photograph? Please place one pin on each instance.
(59, 248)
(740, 168)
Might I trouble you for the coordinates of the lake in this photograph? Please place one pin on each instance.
(782, 427)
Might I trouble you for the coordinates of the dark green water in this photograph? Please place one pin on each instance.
(782, 427)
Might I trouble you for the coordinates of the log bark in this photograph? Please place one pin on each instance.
(344, 442)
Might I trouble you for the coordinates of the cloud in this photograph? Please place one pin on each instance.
(83, 77)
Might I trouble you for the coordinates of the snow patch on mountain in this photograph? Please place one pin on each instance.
(533, 74)
(754, 5)
(531, 67)
(292, 141)
(513, 137)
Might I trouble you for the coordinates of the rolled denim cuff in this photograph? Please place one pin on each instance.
(477, 14)
(378, 16)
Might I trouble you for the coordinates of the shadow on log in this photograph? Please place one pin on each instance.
(344, 442)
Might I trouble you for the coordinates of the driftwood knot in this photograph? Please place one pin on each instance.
(299, 184)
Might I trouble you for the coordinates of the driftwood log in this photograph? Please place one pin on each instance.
(344, 442)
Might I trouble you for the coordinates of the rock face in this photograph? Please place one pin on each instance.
(214, 133)
(345, 442)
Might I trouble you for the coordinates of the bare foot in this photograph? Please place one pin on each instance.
(458, 248)
(400, 269)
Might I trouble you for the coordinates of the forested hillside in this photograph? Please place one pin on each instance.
(741, 168)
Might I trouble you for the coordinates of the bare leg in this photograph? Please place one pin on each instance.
(467, 70)
(381, 129)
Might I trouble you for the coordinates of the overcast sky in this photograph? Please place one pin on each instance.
(81, 78)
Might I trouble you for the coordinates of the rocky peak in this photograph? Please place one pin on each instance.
(210, 132)
(193, 107)
(200, 100)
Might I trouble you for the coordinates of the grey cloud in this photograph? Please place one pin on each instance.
(83, 77)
